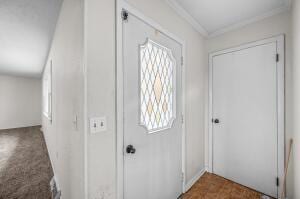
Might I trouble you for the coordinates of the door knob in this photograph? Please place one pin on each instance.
(216, 121)
(130, 149)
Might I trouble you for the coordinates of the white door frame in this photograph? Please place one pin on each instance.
(280, 102)
(120, 6)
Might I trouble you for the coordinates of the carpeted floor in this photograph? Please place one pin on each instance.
(25, 169)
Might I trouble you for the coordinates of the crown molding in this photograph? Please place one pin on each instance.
(185, 15)
(249, 21)
(191, 20)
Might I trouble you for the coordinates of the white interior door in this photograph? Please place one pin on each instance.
(152, 112)
(244, 92)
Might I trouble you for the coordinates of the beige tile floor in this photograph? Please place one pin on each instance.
(211, 186)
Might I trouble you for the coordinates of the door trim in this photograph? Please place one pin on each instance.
(120, 6)
(280, 40)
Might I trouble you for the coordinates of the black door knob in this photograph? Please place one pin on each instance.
(130, 149)
(216, 121)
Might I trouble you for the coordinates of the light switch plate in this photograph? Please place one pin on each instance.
(98, 124)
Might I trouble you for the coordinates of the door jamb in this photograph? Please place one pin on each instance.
(280, 42)
(120, 6)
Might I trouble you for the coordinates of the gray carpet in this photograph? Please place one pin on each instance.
(25, 169)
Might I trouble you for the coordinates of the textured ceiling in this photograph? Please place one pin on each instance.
(27, 28)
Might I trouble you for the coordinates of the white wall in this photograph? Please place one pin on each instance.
(20, 102)
(296, 75)
(100, 62)
(101, 92)
(273, 26)
(65, 139)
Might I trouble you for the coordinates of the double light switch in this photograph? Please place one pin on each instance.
(98, 124)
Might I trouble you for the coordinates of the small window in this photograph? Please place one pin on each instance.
(47, 91)
(157, 87)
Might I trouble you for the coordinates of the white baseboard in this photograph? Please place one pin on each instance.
(20, 126)
(190, 183)
(51, 158)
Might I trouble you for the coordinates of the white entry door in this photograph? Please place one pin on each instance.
(245, 116)
(152, 112)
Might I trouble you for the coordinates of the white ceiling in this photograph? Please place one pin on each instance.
(213, 17)
(26, 30)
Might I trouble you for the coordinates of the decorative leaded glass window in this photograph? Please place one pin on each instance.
(157, 86)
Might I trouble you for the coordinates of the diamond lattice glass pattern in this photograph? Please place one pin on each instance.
(156, 86)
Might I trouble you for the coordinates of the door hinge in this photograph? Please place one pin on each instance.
(277, 57)
(124, 15)
(182, 119)
(181, 61)
(182, 177)
(277, 182)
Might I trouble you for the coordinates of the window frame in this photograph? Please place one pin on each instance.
(173, 79)
(47, 95)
